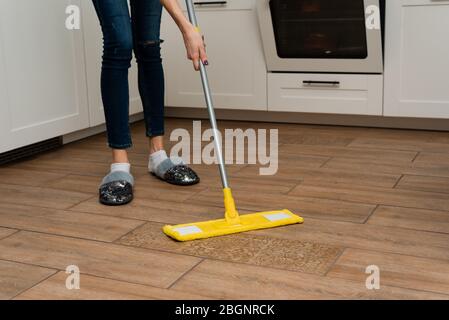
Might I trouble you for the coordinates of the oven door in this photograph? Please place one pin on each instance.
(320, 36)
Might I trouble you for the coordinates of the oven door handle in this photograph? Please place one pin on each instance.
(313, 83)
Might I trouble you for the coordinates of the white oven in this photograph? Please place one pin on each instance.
(329, 36)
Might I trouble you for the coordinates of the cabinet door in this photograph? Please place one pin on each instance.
(417, 64)
(94, 48)
(237, 70)
(43, 89)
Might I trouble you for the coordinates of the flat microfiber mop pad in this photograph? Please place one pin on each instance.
(232, 223)
(255, 221)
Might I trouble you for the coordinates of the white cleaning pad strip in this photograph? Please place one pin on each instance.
(277, 216)
(183, 231)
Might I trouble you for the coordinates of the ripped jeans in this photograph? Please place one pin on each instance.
(122, 33)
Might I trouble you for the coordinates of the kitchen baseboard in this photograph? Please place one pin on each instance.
(282, 117)
(312, 118)
(85, 133)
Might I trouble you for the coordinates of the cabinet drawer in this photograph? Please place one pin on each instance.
(325, 93)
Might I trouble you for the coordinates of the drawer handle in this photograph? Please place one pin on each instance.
(312, 83)
(210, 3)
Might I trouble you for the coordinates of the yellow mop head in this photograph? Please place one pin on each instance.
(232, 223)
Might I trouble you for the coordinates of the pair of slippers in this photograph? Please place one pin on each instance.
(117, 187)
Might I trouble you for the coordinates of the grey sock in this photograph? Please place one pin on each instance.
(118, 175)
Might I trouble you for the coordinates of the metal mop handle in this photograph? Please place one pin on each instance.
(210, 106)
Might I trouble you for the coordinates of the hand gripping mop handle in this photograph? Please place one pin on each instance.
(231, 212)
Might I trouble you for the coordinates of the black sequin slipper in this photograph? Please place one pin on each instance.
(181, 175)
(174, 171)
(116, 193)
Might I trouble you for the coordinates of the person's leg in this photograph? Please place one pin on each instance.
(117, 54)
(146, 22)
(114, 17)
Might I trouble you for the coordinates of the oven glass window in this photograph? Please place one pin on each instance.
(319, 29)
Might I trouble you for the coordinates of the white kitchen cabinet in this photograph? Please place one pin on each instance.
(237, 70)
(325, 93)
(417, 59)
(94, 48)
(42, 86)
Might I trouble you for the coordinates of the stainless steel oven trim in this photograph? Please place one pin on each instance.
(372, 64)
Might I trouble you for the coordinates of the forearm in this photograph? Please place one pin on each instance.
(175, 11)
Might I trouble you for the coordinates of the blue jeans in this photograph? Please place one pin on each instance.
(122, 33)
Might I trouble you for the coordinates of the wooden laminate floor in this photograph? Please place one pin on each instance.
(369, 197)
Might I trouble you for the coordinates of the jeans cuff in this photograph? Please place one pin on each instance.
(120, 146)
(155, 134)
